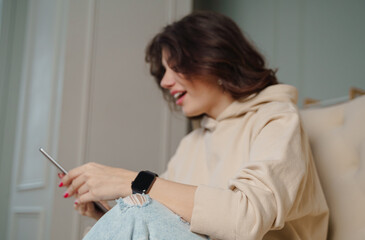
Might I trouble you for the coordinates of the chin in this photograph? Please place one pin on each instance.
(191, 114)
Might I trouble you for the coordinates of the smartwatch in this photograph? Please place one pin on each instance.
(143, 182)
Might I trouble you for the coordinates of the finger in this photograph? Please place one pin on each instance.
(105, 204)
(77, 206)
(86, 209)
(82, 208)
(90, 209)
(83, 189)
(61, 175)
(74, 173)
(76, 202)
(87, 197)
(75, 185)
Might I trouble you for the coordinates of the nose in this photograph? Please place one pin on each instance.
(167, 80)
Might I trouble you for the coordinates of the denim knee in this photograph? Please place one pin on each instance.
(141, 217)
(135, 200)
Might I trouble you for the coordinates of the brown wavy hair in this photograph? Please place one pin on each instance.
(210, 44)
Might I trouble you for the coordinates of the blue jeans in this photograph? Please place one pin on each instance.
(148, 220)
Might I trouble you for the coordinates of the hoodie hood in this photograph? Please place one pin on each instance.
(274, 93)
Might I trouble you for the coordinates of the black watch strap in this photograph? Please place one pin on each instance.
(143, 182)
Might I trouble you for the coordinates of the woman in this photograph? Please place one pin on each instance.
(246, 173)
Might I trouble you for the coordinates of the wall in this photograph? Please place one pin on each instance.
(86, 57)
(12, 32)
(317, 45)
(112, 111)
(36, 70)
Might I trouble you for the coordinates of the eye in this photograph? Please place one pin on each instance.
(162, 73)
(174, 68)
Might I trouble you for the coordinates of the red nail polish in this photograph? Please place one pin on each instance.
(61, 175)
(61, 184)
(76, 202)
(66, 195)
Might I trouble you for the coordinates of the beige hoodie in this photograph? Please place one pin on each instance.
(254, 171)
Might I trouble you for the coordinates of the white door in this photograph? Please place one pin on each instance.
(86, 95)
(32, 181)
(113, 113)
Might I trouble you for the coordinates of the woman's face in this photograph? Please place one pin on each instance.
(195, 96)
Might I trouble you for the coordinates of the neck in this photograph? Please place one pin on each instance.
(221, 104)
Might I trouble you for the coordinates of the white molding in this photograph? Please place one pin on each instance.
(174, 9)
(18, 129)
(86, 43)
(83, 13)
(35, 59)
(19, 212)
(31, 185)
(165, 146)
(86, 101)
(19, 141)
(177, 9)
(23, 109)
(58, 76)
(166, 113)
(170, 10)
(88, 80)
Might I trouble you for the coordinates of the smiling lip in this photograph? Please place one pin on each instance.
(180, 98)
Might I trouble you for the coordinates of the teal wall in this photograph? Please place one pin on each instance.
(317, 45)
(1, 7)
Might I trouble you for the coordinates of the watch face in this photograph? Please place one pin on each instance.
(142, 182)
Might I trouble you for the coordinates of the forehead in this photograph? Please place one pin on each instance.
(168, 60)
(165, 56)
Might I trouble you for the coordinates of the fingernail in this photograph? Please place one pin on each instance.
(61, 184)
(61, 175)
(76, 202)
(65, 195)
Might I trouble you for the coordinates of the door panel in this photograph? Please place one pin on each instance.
(32, 184)
(113, 113)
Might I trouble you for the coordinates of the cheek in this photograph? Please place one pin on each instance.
(203, 92)
(204, 95)
(200, 102)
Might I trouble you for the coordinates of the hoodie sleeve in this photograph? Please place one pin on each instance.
(263, 192)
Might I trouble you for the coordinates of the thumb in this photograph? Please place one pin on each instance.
(105, 204)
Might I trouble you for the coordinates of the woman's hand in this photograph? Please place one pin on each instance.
(95, 182)
(88, 209)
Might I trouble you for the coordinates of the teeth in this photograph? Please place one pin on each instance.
(177, 95)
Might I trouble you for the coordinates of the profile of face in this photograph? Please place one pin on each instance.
(195, 96)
